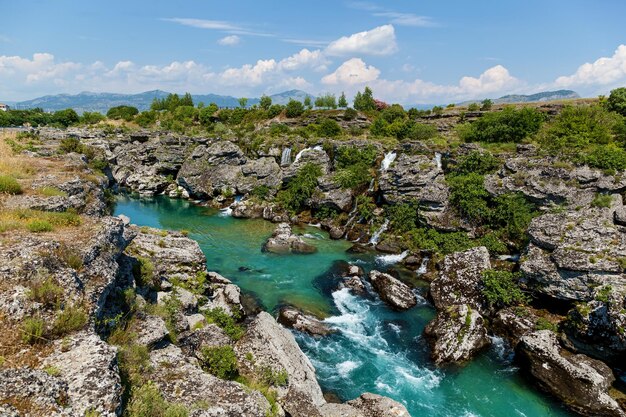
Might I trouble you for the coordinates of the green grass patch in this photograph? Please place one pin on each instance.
(9, 185)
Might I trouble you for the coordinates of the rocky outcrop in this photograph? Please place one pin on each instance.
(581, 382)
(34, 391)
(372, 405)
(284, 241)
(88, 366)
(181, 380)
(415, 177)
(352, 279)
(315, 155)
(393, 291)
(293, 318)
(456, 334)
(332, 195)
(273, 347)
(513, 323)
(460, 279)
(575, 251)
(547, 181)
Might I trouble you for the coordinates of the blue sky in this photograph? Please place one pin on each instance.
(407, 51)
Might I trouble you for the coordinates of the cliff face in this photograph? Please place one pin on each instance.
(102, 317)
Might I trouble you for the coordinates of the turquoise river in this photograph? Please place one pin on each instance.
(376, 349)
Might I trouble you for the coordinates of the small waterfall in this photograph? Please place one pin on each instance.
(225, 212)
(315, 148)
(387, 161)
(423, 266)
(391, 259)
(371, 187)
(285, 158)
(438, 160)
(376, 236)
(510, 258)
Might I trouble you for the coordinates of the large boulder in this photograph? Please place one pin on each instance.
(575, 251)
(260, 172)
(267, 345)
(284, 241)
(456, 335)
(372, 405)
(460, 279)
(315, 155)
(36, 391)
(393, 291)
(415, 177)
(581, 382)
(293, 318)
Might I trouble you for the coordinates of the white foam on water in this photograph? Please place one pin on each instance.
(391, 259)
(344, 368)
(438, 160)
(376, 236)
(387, 161)
(285, 158)
(315, 236)
(226, 212)
(423, 266)
(395, 328)
(299, 155)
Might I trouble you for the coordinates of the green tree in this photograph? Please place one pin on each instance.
(328, 128)
(187, 100)
(294, 108)
(65, 117)
(617, 101)
(243, 102)
(486, 104)
(91, 118)
(365, 101)
(307, 102)
(126, 113)
(508, 125)
(342, 103)
(319, 102)
(265, 102)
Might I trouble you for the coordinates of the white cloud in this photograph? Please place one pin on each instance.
(378, 41)
(494, 79)
(216, 25)
(407, 19)
(352, 72)
(304, 58)
(604, 71)
(230, 40)
(249, 74)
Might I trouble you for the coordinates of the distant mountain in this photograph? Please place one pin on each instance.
(101, 102)
(520, 98)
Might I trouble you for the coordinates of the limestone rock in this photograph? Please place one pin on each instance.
(460, 278)
(456, 335)
(581, 382)
(296, 319)
(150, 329)
(393, 291)
(47, 394)
(283, 241)
(373, 405)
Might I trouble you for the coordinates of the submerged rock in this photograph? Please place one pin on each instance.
(581, 382)
(284, 241)
(456, 335)
(296, 319)
(393, 291)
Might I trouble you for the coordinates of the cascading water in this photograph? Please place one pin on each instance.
(391, 258)
(285, 158)
(299, 155)
(387, 161)
(438, 160)
(423, 266)
(376, 236)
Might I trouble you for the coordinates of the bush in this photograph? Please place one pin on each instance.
(477, 162)
(91, 118)
(71, 144)
(226, 322)
(65, 117)
(352, 177)
(512, 214)
(617, 101)
(39, 226)
(508, 125)
(220, 361)
(147, 401)
(468, 195)
(261, 192)
(300, 188)
(350, 114)
(9, 185)
(439, 242)
(294, 108)
(473, 107)
(486, 104)
(46, 292)
(275, 110)
(403, 217)
(500, 288)
(576, 128)
(146, 118)
(607, 157)
(33, 330)
(72, 318)
(602, 200)
(143, 271)
(270, 376)
(328, 128)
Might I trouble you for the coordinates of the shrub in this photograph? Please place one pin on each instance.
(500, 288)
(350, 114)
(33, 330)
(346, 156)
(576, 128)
(328, 128)
(486, 104)
(545, 324)
(91, 118)
(270, 376)
(468, 195)
(508, 125)
(439, 242)
(602, 200)
(617, 101)
(72, 318)
(9, 185)
(65, 117)
(403, 217)
(39, 226)
(512, 213)
(147, 401)
(473, 107)
(477, 162)
(293, 109)
(122, 112)
(225, 321)
(143, 271)
(261, 192)
(134, 359)
(46, 292)
(355, 176)
(220, 361)
(607, 157)
(71, 144)
(52, 192)
(300, 188)
(275, 110)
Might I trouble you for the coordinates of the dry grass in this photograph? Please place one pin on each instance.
(14, 165)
